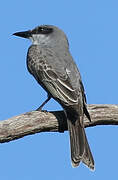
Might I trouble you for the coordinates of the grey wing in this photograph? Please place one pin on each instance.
(59, 77)
(84, 101)
(59, 85)
(54, 74)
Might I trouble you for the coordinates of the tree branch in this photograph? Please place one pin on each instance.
(36, 121)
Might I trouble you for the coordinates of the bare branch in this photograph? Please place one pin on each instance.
(36, 121)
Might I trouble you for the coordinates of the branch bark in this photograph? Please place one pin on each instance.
(36, 122)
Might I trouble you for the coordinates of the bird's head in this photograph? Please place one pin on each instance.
(45, 35)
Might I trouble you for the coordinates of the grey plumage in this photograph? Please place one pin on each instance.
(52, 65)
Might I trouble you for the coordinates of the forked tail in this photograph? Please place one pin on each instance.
(80, 150)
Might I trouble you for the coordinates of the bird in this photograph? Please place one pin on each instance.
(50, 62)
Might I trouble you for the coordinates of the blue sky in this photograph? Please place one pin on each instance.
(92, 30)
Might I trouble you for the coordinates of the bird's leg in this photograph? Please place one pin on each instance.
(40, 108)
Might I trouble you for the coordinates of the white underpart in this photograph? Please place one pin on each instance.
(38, 39)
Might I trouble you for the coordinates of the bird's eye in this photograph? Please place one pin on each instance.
(41, 29)
(45, 30)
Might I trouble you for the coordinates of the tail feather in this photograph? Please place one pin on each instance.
(88, 158)
(80, 150)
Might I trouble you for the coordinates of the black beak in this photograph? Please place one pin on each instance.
(24, 34)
